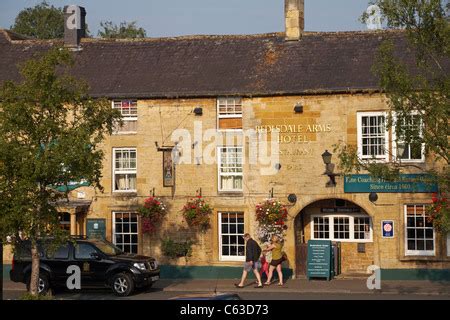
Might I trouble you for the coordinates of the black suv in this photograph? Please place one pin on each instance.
(100, 262)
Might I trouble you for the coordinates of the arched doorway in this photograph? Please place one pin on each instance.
(346, 224)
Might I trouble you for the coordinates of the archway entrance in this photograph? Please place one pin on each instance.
(346, 224)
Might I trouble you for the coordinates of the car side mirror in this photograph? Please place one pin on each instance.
(96, 256)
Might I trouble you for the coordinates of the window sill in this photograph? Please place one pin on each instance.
(124, 194)
(422, 258)
(231, 193)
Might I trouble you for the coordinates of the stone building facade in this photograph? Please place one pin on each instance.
(315, 90)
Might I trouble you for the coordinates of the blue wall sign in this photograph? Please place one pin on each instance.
(409, 183)
(387, 228)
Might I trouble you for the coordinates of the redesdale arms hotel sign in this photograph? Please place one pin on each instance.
(417, 183)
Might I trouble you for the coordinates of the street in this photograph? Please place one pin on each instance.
(161, 292)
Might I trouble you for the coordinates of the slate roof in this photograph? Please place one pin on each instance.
(202, 66)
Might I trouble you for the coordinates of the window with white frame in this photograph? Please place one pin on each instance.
(411, 151)
(124, 169)
(230, 168)
(125, 231)
(128, 110)
(231, 232)
(229, 113)
(373, 141)
(321, 228)
(345, 228)
(420, 237)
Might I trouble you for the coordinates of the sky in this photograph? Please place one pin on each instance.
(162, 18)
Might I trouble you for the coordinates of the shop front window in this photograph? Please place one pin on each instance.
(420, 237)
(231, 231)
(125, 231)
(345, 228)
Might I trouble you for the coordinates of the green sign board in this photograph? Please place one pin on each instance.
(408, 183)
(96, 228)
(320, 261)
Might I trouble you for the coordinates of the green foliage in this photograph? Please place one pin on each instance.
(419, 95)
(50, 135)
(126, 30)
(41, 21)
(173, 249)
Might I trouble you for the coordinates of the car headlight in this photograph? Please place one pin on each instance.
(140, 266)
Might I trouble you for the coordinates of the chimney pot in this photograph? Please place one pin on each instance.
(295, 19)
(74, 25)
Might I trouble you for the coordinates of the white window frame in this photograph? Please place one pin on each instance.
(115, 172)
(379, 158)
(123, 233)
(417, 252)
(221, 256)
(131, 118)
(228, 116)
(219, 166)
(394, 142)
(351, 217)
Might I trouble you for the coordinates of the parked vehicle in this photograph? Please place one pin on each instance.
(101, 263)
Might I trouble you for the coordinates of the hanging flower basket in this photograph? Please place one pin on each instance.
(152, 214)
(271, 217)
(197, 213)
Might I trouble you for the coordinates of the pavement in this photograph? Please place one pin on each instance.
(300, 286)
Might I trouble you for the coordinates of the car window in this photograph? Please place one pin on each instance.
(61, 253)
(84, 251)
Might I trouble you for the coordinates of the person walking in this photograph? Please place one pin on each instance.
(277, 259)
(252, 255)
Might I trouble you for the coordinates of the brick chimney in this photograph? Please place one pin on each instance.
(74, 25)
(294, 11)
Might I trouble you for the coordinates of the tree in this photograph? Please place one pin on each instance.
(418, 97)
(124, 31)
(50, 131)
(41, 22)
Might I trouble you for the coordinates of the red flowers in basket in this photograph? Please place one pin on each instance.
(152, 214)
(197, 213)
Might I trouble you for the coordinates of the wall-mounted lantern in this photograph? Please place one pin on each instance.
(329, 169)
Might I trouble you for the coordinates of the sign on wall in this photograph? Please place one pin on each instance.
(387, 228)
(409, 183)
(96, 228)
(320, 262)
(168, 169)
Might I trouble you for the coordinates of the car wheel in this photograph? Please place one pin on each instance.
(122, 284)
(43, 284)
